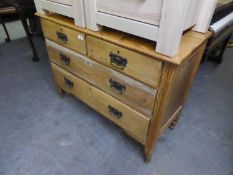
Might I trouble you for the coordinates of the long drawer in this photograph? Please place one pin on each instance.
(138, 66)
(132, 92)
(64, 36)
(121, 114)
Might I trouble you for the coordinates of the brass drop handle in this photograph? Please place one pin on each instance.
(117, 61)
(62, 37)
(117, 87)
(65, 59)
(68, 83)
(113, 111)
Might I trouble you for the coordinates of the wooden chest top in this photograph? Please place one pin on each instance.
(190, 41)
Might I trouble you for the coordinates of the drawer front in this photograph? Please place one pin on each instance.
(64, 36)
(66, 2)
(147, 11)
(124, 116)
(133, 93)
(140, 67)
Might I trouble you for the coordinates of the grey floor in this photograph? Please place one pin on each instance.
(41, 134)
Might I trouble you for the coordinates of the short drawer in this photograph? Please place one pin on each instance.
(138, 66)
(64, 36)
(133, 93)
(121, 114)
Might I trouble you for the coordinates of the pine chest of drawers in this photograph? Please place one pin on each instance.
(121, 77)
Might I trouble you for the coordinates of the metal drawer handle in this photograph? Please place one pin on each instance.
(117, 87)
(69, 83)
(118, 61)
(65, 59)
(62, 37)
(117, 114)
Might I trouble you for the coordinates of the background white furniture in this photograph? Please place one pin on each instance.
(163, 21)
(70, 8)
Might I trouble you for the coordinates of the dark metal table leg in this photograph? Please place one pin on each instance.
(7, 40)
(26, 28)
(224, 48)
(219, 56)
(230, 43)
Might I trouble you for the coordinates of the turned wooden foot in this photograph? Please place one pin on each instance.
(147, 159)
(147, 156)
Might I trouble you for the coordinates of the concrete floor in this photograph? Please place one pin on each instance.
(41, 134)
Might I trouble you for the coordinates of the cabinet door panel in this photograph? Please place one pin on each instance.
(147, 11)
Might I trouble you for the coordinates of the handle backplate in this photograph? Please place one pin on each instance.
(118, 61)
(113, 111)
(65, 59)
(62, 37)
(117, 87)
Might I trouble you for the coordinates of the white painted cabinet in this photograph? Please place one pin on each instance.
(163, 21)
(70, 8)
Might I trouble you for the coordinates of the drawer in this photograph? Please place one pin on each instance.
(119, 113)
(64, 36)
(67, 2)
(147, 11)
(138, 66)
(132, 92)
